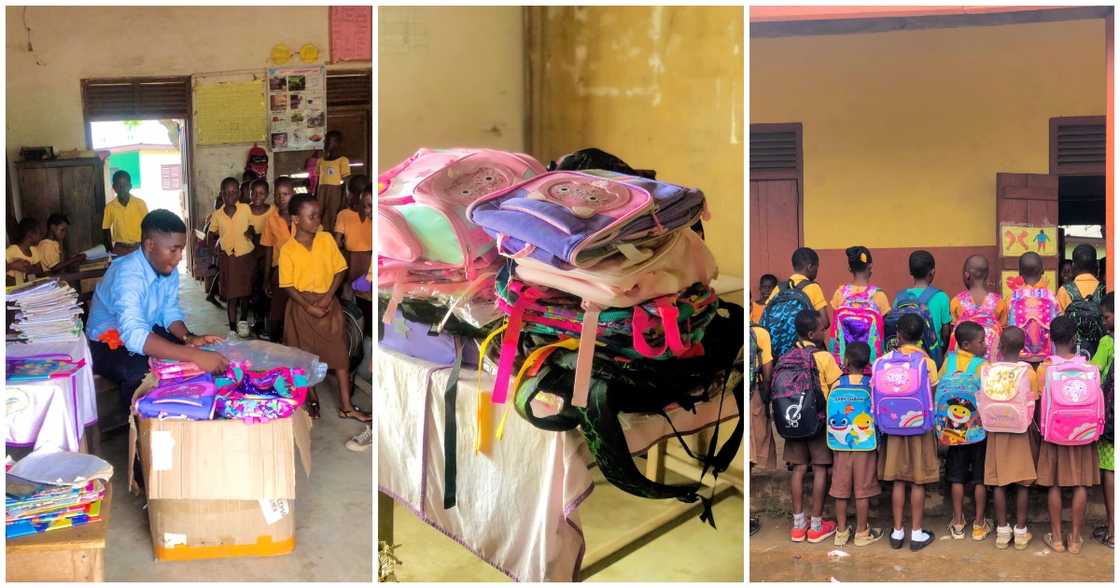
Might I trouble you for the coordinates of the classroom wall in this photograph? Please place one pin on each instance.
(449, 77)
(660, 87)
(906, 130)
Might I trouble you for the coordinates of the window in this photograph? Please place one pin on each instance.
(1077, 146)
(171, 176)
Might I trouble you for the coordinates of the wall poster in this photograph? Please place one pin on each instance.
(297, 108)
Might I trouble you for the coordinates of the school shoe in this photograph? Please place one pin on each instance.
(361, 441)
(842, 537)
(872, 535)
(980, 533)
(918, 545)
(827, 529)
(955, 531)
(798, 534)
(898, 543)
(243, 329)
(1022, 540)
(1003, 538)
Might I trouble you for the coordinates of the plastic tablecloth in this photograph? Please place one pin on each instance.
(52, 413)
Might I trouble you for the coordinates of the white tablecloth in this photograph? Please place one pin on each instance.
(516, 506)
(52, 413)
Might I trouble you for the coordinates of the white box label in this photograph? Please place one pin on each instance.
(273, 509)
(163, 446)
(172, 539)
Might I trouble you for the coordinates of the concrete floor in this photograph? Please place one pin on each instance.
(334, 509)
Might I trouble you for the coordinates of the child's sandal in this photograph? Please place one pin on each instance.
(1048, 539)
(1074, 548)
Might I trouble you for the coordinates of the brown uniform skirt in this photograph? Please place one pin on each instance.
(764, 452)
(1065, 465)
(815, 451)
(325, 337)
(236, 275)
(330, 198)
(279, 302)
(359, 265)
(854, 473)
(909, 459)
(1011, 458)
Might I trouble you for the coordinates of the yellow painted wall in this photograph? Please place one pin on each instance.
(914, 125)
(660, 87)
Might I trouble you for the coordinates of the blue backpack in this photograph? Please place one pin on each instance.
(910, 303)
(780, 316)
(956, 415)
(850, 417)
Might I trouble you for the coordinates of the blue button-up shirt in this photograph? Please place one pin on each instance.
(132, 298)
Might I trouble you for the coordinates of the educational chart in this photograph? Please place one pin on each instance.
(1016, 240)
(297, 108)
(351, 33)
(1010, 280)
(230, 112)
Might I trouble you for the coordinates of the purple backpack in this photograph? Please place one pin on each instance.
(901, 393)
(569, 218)
(180, 399)
(413, 339)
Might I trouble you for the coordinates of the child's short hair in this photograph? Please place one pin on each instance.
(768, 279)
(857, 355)
(910, 328)
(968, 331)
(283, 181)
(921, 264)
(806, 322)
(26, 226)
(57, 219)
(161, 221)
(335, 134)
(859, 257)
(120, 173)
(1106, 301)
(1011, 341)
(259, 182)
(298, 201)
(1085, 259)
(1030, 265)
(357, 183)
(803, 257)
(1063, 330)
(229, 180)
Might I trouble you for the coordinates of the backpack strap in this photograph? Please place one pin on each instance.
(450, 429)
(532, 362)
(509, 344)
(483, 418)
(973, 365)
(1074, 292)
(927, 295)
(1098, 293)
(587, 336)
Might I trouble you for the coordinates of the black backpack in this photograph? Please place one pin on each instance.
(796, 400)
(1086, 312)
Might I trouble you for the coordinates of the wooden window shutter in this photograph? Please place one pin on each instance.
(775, 151)
(1077, 145)
(136, 98)
(349, 88)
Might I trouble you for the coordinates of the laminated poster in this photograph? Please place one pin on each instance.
(351, 33)
(1016, 240)
(297, 108)
(230, 112)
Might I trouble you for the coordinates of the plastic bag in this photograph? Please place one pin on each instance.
(262, 356)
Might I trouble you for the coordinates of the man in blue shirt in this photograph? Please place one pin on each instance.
(135, 311)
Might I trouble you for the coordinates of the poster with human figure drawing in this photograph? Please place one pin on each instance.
(297, 99)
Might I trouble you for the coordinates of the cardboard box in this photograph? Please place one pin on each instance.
(204, 529)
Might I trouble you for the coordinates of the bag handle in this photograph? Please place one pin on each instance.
(586, 354)
(509, 345)
(520, 253)
(670, 315)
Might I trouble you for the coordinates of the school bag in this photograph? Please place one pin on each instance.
(1006, 400)
(1086, 312)
(780, 316)
(982, 314)
(857, 319)
(850, 416)
(1072, 402)
(796, 400)
(191, 398)
(1032, 309)
(260, 396)
(906, 303)
(901, 392)
(956, 418)
(1109, 394)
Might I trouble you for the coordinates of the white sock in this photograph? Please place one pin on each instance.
(897, 534)
(799, 520)
(1020, 530)
(1003, 529)
(815, 523)
(918, 535)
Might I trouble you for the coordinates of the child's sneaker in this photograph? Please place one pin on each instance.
(1003, 537)
(797, 534)
(868, 537)
(827, 529)
(1022, 540)
(243, 329)
(981, 532)
(956, 531)
(361, 441)
(842, 537)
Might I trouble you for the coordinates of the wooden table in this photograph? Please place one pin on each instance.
(71, 555)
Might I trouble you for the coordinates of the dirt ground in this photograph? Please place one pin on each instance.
(774, 558)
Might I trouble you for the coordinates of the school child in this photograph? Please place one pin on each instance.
(923, 268)
(862, 300)
(799, 292)
(1065, 466)
(766, 285)
(247, 180)
(1106, 449)
(259, 209)
(800, 455)
(334, 170)
(763, 450)
(1081, 298)
(24, 260)
(121, 222)
(51, 247)
(277, 231)
(855, 473)
(975, 303)
(1031, 308)
(236, 262)
(354, 227)
(964, 464)
(1011, 457)
(312, 270)
(911, 459)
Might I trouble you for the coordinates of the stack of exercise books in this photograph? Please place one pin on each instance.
(48, 492)
(43, 311)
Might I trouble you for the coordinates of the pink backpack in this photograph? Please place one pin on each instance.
(983, 315)
(1072, 402)
(857, 319)
(1032, 309)
(1006, 400)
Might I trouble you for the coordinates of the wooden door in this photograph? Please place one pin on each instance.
(74, 188)
(356, 128)
(774, 227)
(1026, 220)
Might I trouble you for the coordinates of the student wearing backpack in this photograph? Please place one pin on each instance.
(1080, 299)
(858, 308)
(799, 455)
(1031, 308)
(911, 459)
(1064, 466)
(1105, 447)
(964, 464)
(932, 303)
(766, 285)
(1011, 457)
(855, 473)
(800, 292)
(975, 303)
(763, 450)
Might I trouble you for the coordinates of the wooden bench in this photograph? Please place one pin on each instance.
(70, 555)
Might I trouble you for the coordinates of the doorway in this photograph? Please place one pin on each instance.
(776, 181)
(1077, 159)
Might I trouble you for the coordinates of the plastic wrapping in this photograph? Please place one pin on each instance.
(263, 356)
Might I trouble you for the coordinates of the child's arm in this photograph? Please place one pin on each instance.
(313, 310)
(764, 385)
(268, 270)
(325, 301)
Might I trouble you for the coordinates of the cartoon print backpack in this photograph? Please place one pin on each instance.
(1072, 402)
(983, 315)
(901, 393)
(956, 417)
(849, 416)
(192, 398)
(857, 319)
(256, 397)
(780, 316)
(1086, 312)
(1032, 309)
(796, 401)
(1006, 400)
(908, 302)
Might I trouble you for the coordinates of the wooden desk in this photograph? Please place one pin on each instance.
(71, 555)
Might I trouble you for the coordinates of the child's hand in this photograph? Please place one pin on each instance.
(316, 311)
(324, 302)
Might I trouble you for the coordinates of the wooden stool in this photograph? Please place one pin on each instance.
(70, 555)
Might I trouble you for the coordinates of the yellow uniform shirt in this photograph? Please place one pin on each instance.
(931, 367)
(231, 230)
(1001, 310)
(813, 291)
(277, 232)
(14, 253)
(826, 367)
(762, 340)
(880, 298)
(358, 233)
(51, 252)
(963, 357)
(310, 270)
(756, 312)
(123, 221)
(1085, 283)
(257, 221)
(331, 172)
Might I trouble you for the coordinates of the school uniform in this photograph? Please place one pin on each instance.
(1103, 360)
(814, 451)
(275, 234)
(51, 253)
(1086, 284)
(14, 253)
(813, 291)
(912, 458)
(1011, 458)
(763, 450)
(258, 222)
(124, 220)
(756, 312)
(311, 272)
(358, 241)
(331, 192)
(1066, 465)
(236, 262)
(855, 474)
(964, 464)
(938, 309)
